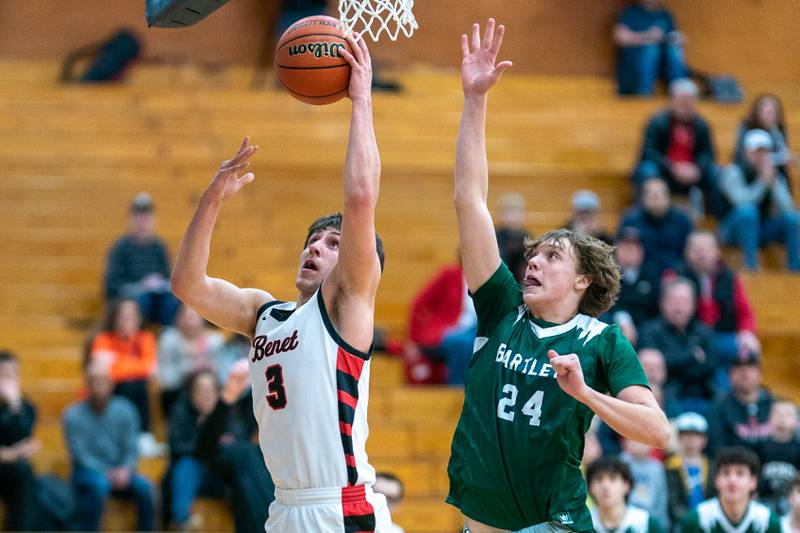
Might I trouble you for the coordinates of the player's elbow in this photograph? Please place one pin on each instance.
(466, 200)
(661, 435)
(361, 198)
(180, 284)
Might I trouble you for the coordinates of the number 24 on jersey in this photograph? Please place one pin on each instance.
(506, 407)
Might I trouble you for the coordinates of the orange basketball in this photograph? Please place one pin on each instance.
(308, 62)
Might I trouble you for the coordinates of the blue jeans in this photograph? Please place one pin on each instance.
(456, 351)
(726, 350)
(135, 390)
(640, 66)
(744, 227)
(189, 476)
(158, 307)
(93, 488)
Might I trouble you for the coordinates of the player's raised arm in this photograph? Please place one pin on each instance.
(217, 300)
(350, 289)
(479, 73)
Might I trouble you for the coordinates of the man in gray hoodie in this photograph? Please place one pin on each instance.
(762, 209)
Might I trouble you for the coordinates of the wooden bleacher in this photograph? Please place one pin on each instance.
(71, 159)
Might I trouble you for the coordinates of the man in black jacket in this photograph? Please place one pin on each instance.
(686, 345)
(17, 417)
(639, 285)
(138, 266)
(187, 477)
(677, 144)
(741, 417)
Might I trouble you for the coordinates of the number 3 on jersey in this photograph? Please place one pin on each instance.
(277, 393)
(531, 409)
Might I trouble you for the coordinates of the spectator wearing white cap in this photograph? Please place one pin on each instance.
(586, 216)
(761, 208)
(767, 114)
(687, 469)
(677, 146)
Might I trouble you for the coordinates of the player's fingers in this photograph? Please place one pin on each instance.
(476, 36)
(240, 157)
(247, 179)
(498, 39)
(355, 49)
(488, 34)
(464, 45)
(235, 168)
(552, 354)
(362, 45)
(349, 58)
(500, 68)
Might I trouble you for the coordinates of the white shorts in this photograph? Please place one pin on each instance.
(328, 510)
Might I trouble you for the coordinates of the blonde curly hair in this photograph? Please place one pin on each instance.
(595, 260)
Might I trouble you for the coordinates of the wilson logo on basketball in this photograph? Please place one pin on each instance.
(319, 49)
(263, 347)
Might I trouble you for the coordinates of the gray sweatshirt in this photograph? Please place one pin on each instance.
(738, 192)
(649, 490)
(105, 440)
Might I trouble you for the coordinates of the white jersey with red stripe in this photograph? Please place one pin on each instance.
(310, 395)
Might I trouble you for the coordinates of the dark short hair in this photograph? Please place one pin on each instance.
(737, 455)
(609, 464)
(334, 221)
(7, 356)
(595, 259)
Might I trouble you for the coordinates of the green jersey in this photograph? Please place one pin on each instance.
(709, 517)
(518, 445)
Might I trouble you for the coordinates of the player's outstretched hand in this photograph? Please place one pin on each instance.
(478, 69)
(237, 381)
(227, 181)
(569, 374)
(360, 68)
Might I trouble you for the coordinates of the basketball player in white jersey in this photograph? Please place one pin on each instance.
(309, 360)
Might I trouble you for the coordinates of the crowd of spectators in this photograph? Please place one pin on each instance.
(202, 381)
(686, 311)
(682, 307)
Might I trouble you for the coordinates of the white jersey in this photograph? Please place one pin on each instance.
(786, 524)
(635, 521)
(310, 394)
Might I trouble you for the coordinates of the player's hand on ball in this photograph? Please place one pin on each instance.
(227, 181)
(478, 69)
(360, 68)
(569, 374)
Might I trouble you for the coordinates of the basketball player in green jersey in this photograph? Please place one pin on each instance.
(736, 479)
(542, 365)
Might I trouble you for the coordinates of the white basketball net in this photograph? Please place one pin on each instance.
(374, 17)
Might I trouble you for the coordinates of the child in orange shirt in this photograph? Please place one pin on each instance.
(131, 352)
